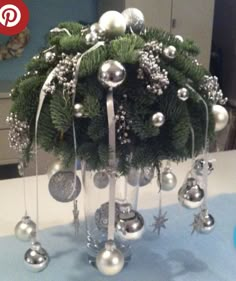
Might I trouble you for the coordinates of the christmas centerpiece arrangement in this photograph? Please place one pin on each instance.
(121, 98)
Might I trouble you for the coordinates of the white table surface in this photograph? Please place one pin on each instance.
(52, 213)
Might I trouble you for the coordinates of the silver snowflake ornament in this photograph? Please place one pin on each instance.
(159, 222)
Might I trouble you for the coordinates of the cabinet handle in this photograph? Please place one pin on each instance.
(173, 23)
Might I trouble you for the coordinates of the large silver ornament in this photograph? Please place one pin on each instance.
(96, 28)
(130, 225)
(168, 180)
(221, 117)
(110, 260)
(78, 110)
(91, 38)
(101, 216)
(36, 258)
(140, 177)
(55, 167)
(183, 94)
(199, 167)
(203, 222)
(111, 74)
(191, 195)
(134, 19)
(158, 119)
(170, 52)
(113, 23)
(25, 229)
(101, 179)
(61, 186)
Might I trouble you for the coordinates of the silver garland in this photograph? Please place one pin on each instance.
(150, 70)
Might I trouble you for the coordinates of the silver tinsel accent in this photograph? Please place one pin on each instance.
(18, 135)
(123, 125)
(150, 69)
(211, 85)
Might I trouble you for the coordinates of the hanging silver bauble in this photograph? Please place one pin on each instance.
(78, 110)
(170, 52)
(25, 229)
(101, 216)
(96, 27)
(36, 258)
(91, 38)
(191, 195)
(221, 117)
(179, 38)
(183, 94)
(55, 167)
(140, 177)
(134, 19)
(110, 260)
(113, 23)
(208, 222)
(111, 74)
(168, 180)
(61, 186)
(158, 119)
(130, 225)
(199, 167)
(101, 179)
(49, 56)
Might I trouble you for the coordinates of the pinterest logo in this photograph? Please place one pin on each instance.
(14, 17)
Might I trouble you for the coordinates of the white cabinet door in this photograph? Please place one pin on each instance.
(193, 19)
(157, 12)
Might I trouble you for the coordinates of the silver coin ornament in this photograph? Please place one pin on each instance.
(168, 180)
(110, 260)
(207, 222)
(113, 23)
(170, 52)
(221, 117)
(140, 178)
(199, 167)
(49, 56)
(78, 110)
(36, 258)
(96, 28)
(183, 94)
(101, 216)
(25, 229)
(158, 119)
(134, 19)
(61, 186)
(179, 38)
(130, 225)
(191, 195)
(55, 167)
(111, 74)
(101, 179)
(91, 38)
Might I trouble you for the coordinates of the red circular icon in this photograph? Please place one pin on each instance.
(14, 17)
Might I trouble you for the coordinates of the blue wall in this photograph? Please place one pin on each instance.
(44, 15)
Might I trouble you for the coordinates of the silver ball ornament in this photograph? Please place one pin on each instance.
(207, 222)
(78, 110)
(111, 74)
(55, 167)
(191, 195)
(183, 94)
(113, 23)
(170, 52)
(61, 186)
(130, 225)
(96, 27)
(168, 180)
(101, 216)
(141, 177)
(101, 179)
(36, 258)
(199, 167)
(134, 19)
(158, 119)
(110, 260)
(49, 56)
(91, 38)
(179, 38)
(221, 117)
(25, 229)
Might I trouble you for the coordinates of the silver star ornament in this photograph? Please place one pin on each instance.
(159, 222)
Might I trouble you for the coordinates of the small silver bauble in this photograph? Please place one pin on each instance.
(101, 216)
(134, 19)
(101, 179)
(191, 195)
(168, 180)
(91, 38)
(158, 119)
(199, 167)
(49, 56)
(111, 74)
(208, 222)
(96, 27)
(179, 38)
(110, 260)
(113, 23)
(61, 186)
(221, 117)
(183, 94)
(141, 177)
(55, 167)
(78, 110)
(130, 225)
(25, 229)
(170, 52)
(36, 258)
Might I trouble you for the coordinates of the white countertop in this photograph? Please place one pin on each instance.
(52, 213)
